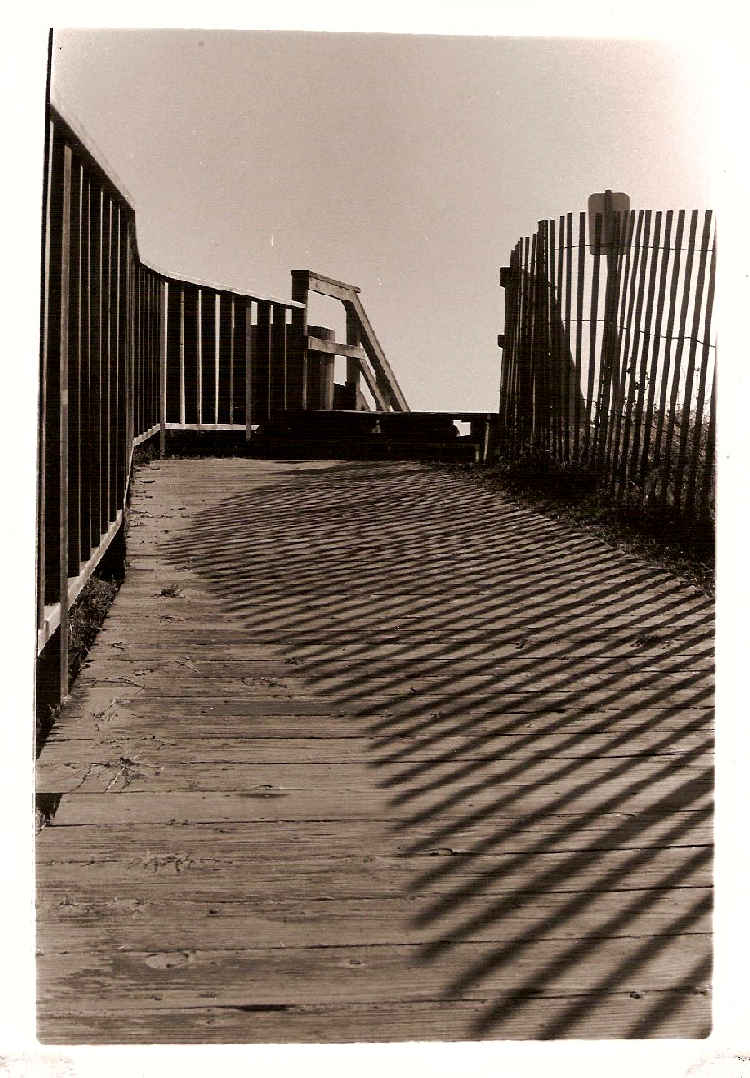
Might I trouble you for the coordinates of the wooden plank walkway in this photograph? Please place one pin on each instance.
(367, 752)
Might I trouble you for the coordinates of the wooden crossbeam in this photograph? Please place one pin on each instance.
(383, 371)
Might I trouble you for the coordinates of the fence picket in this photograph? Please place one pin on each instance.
(618, 364)
(568, 251)
(671, 314)
(700, 400)
(540, 390)
(593, 311)
(685, 418)
(709, 467)
(632, 359)
(671, 422)
(633, 473)
(555, 378)
(579, 332)
(639, 252)
(646, 451)
(607, 360)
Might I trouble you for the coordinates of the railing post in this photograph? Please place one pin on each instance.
(43, 379)
(248, 369)
(63, 420)
(300, 294)
(320, 367)
(353, 368)
(506, 340)
(164, 299)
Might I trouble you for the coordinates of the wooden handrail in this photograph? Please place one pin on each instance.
(381, 380)
(128, 352)
(336, 348)
(224, 290)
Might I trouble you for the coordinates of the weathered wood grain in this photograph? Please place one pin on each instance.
(162, 922)
(163, 775)
(138, 982)
(504, 833)
(612, 1015)
(301, 805)
(300, 746)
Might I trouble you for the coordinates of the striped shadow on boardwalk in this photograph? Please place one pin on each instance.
(367, 752)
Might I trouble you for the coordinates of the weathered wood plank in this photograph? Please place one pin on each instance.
(113, 710)
(483, 807)
(139, 775)
(269, 799)
(676, 1014)
(138, 981)
(161, 923)
(301, 746)
(272, 681)
(266, 840)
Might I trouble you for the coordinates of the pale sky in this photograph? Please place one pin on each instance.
(408, 165)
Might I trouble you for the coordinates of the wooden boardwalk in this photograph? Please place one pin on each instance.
(367, 752)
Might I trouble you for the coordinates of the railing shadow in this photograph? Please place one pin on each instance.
(538, 701)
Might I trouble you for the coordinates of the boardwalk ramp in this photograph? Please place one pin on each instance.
(367, 752)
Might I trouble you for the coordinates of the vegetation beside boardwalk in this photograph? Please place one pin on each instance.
(573, 495)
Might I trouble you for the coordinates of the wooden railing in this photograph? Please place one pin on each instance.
(364, 354)
(608, 356)
(230, 360)
(128, 352)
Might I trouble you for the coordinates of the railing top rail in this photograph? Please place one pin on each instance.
(259, 297)
(319, 279)
(60, 113)
(85, 146)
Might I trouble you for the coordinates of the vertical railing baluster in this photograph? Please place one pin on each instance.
(163, 311)
(107, 380)
(249, 362)
(86, 428)
(199, 353)
(74, 369)
(182, 355)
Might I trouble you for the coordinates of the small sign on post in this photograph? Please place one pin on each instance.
(611, 205)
